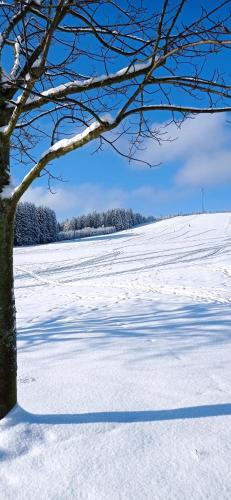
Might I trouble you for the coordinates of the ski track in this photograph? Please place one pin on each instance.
(121, 260)
(124, 366)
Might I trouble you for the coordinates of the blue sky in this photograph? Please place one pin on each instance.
(198, 157)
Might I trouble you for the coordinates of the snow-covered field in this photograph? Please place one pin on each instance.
(124, 366)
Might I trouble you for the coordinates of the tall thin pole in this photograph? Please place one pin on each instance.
(202, 200)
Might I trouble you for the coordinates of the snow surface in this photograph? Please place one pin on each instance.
(124, 366)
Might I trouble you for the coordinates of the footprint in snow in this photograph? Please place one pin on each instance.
(201, 454)
(26, 380)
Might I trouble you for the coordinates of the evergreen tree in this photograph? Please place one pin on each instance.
(34, 225)
(118, 218)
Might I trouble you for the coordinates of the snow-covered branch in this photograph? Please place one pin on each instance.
(95, 130)
(127, 73)
(60, 148)
(52, 94)
(44, 81)
(16, 65)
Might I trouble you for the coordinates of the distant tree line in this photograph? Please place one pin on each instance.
(118, 218)
(37, 225)
(34, 225)
(86, 231)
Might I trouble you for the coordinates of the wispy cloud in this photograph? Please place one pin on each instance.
(201, 148)
(201, 152)
(76, 199)
(208, 170)
(72, 200)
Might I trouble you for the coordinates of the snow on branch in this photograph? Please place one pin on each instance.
(131, 71)
(60, 148)
(76, 86)
(105, 122)
(16, 65)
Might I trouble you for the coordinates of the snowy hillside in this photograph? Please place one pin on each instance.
(124, 366)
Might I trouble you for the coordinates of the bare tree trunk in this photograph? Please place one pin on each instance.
(8, 364)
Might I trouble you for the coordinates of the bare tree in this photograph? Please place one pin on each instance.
(71, 71)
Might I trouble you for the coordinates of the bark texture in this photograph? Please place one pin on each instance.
(8, 364)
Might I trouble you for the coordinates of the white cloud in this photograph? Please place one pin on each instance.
(209, 170)
(200, 134)
(201, 148)
(78, 199)
(72, 200)
(40, 195)
(202, 153)
(83, 198)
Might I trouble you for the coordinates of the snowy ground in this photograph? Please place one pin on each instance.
(124, 367)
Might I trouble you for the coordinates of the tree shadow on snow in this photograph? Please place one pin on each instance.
(173, 332)
(110, 236)
(157, 332)
(19, 415)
